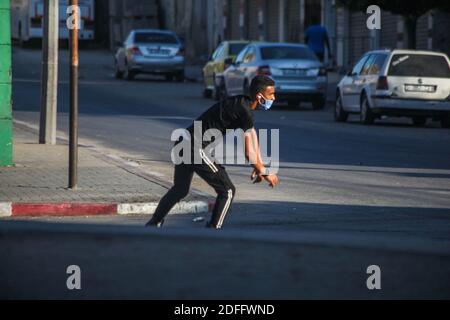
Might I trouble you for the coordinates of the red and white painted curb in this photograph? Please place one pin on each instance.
(10, 209)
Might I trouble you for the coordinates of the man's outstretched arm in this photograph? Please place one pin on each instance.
(253, 155)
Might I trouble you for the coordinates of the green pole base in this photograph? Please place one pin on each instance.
(6, 144)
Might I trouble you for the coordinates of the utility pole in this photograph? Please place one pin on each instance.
(49, 86)
(6, 127)
(73, 24)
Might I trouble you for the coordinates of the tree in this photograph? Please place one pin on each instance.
(410, 10)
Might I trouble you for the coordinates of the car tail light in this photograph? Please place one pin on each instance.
(264, 71)
(323, 72)
(382, 83)
(135, 51)
(36, 22)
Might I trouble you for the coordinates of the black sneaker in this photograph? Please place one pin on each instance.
(153, 223)
(209, 225)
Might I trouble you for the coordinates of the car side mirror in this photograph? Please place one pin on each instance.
(351, 74)
(228, 61)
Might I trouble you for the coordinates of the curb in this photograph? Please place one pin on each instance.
(10, 209)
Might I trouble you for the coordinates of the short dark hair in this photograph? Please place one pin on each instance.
(316, 19)
(259, 84)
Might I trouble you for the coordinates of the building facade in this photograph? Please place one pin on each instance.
(204, 23)
(123, 16)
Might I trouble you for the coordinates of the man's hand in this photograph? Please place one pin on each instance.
(271, 178)
(256, 177)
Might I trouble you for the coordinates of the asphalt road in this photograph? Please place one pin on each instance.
(389, 181)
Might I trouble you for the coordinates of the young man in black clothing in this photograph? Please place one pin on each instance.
(232, 113)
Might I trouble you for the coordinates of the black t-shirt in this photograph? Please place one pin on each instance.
(232, 113)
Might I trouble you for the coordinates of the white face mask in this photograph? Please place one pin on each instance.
(267, 103)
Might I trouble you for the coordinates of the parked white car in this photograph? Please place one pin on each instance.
(150, 51)
(397, 83)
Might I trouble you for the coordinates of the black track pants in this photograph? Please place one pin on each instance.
(214, 174)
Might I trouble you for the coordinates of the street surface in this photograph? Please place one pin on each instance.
(384, 187)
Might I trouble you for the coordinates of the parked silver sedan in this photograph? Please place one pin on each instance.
(150, 51)
(399, 83)
(298, 74)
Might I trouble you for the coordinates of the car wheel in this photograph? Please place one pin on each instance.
(206, 93)
(128, 74)
(319, 103)
(246, 88)
(180, 76)
(366, 114)
(118, 74)
(445, 122)
(223, 94)
(419, 121)
(216, 93)
(340, 115)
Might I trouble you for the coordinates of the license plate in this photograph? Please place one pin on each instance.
(294, 72)
(160, 52)
(419, 88)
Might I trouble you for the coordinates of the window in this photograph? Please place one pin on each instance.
(377, 64)
(368, 65)
(241, 56)
(217, 53)
(287, 53)
(129, 40)
(235, 48)
(250, 55)
(358, 67)
(419, 65)
(154, 37)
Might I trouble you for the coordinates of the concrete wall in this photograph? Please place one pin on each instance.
(199, 22)
(127, 15)
(441, 34)
(431, 34)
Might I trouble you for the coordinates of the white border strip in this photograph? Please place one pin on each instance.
(183, 207)
(225, 209)
(5, 209)
(208, 162)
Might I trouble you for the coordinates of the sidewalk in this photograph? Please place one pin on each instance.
(37, 183)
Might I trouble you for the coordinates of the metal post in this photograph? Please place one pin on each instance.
(73, 134)
(281, 21)
(49, 89)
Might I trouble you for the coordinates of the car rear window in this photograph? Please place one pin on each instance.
(419, 65)
(235, 48)
(287, 53)
(153, 37)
